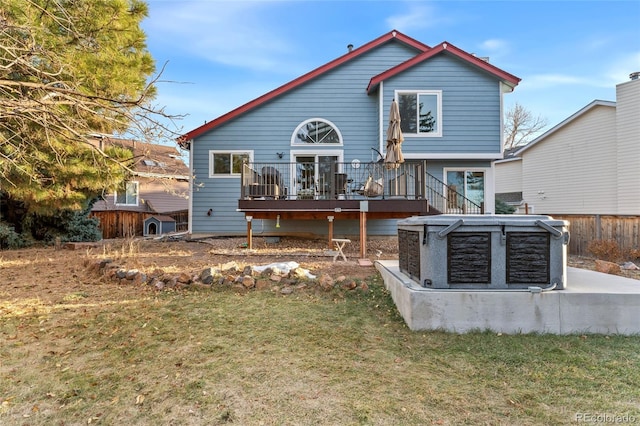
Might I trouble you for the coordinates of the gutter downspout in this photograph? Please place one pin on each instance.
(190, 213)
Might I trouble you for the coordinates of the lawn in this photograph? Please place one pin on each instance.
(101, 353)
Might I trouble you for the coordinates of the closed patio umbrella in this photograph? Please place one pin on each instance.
(394, 156)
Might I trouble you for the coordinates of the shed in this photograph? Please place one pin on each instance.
(158, 225)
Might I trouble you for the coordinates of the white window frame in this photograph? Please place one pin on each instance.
(230, 152)
(438, 94)
(328, 145)
(313, 152)
(126, 184)
(487, 179)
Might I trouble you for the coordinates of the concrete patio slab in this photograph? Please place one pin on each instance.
(592, 302)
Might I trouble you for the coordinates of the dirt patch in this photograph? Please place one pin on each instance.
(52, 275)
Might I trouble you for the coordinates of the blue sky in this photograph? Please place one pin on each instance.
(222, 54)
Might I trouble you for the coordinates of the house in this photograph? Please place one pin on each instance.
(587, 164)
(585, 169)
(159, 187)
(307, 158)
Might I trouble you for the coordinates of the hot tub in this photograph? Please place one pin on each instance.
(484, 252)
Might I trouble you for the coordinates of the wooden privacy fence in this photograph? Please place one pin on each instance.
(124, 224)
(624, 230)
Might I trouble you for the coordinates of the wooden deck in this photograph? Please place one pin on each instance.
(331, 210)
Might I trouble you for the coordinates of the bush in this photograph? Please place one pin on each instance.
(504, 208)
(81, 227)
(65, 225)
(9, 238)
(605, 250)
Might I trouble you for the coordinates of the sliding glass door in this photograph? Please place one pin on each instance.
(468, 183)
(315, 174)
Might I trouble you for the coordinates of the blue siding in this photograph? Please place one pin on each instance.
(471, 124)
(338, 96)
(470, 106)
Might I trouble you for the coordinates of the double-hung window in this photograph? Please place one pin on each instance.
(420, 112)
(128, 194)
(227, 163)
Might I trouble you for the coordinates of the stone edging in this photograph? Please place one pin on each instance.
(229, 275)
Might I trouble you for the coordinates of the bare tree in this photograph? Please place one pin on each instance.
(520, 125)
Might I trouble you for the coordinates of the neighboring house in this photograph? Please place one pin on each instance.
(159, 187)
(589, 164)
(305, 158)
(585, 170)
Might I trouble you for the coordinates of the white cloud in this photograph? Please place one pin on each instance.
(618, 71)
(495, 48)
(544, 81)
(419, 16)
(494, 44)
(230, 33)
(611, 73)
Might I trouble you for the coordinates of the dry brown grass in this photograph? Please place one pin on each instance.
(75, 349)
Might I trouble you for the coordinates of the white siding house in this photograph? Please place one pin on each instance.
(628, 144)
(587, 164)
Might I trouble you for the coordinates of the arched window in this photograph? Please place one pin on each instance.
(316, 131)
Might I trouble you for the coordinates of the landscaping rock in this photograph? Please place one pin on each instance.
(262, 284)
(326, 282)
(184, 278)
(349, 285)
(248, 282)
(607, 267)
(284, 278)
(207, 274)
(139, 279)
(170, 282)
(299, 273)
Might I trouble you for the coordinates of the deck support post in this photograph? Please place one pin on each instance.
(363, 234)
(249, 233)
(330, 219)
(364, 208)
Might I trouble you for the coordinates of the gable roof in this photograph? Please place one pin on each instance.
(388, 37)
(160, 218)
(563, 123)
(149, 160)
(444, 47)
(424, 53)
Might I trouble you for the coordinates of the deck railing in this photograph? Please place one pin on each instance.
(448, 200)
(332, 181)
